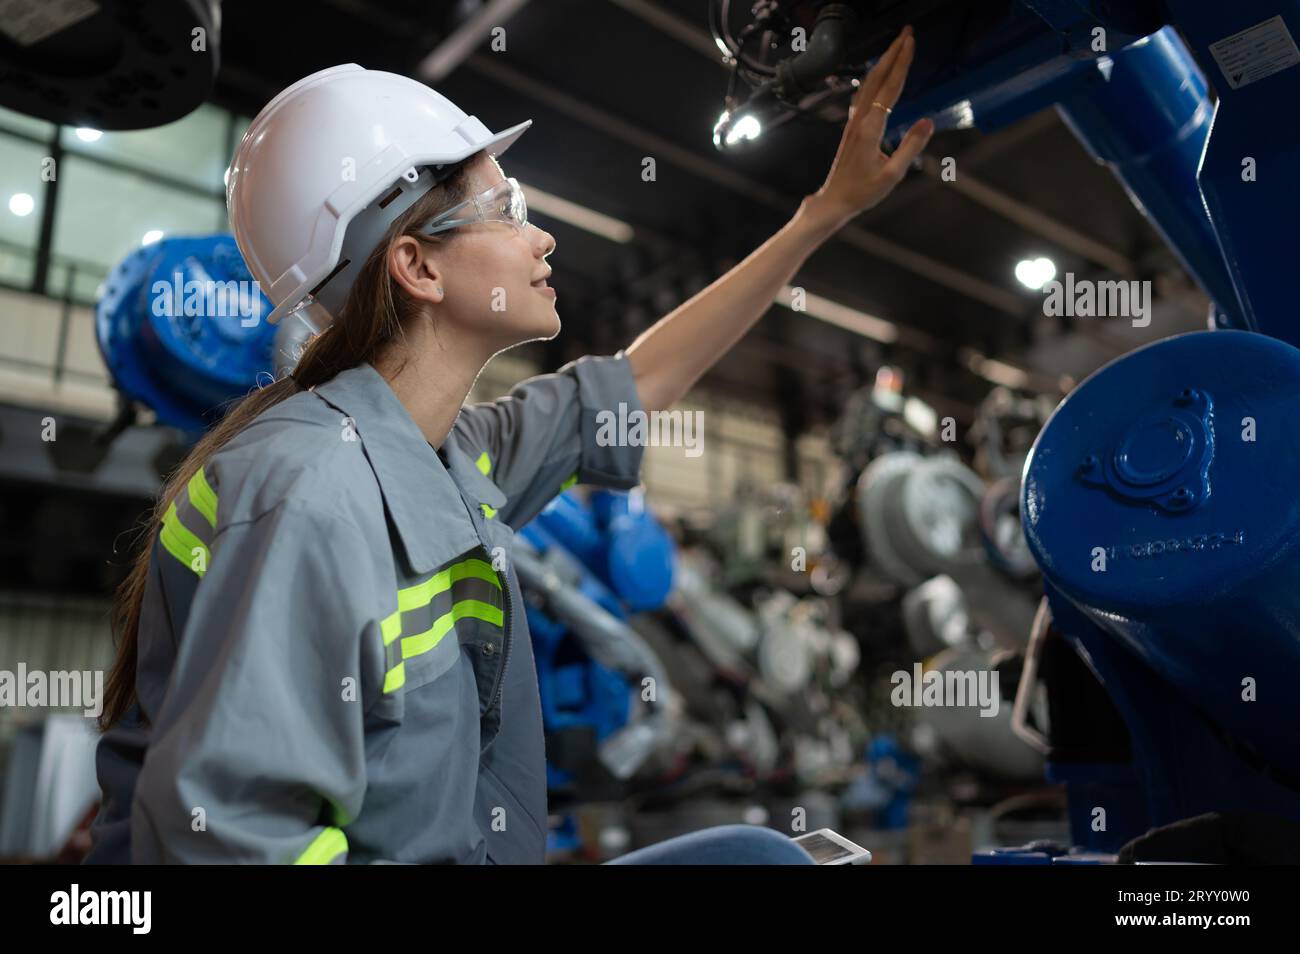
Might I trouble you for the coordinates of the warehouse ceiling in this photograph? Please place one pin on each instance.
(610, 82)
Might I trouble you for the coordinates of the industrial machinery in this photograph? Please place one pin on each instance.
(113, 64)
(1156, 500)
(585, 568)
(920, 518)
(1166, 530)
(180, 325)
(918, 514)
(661, 690)
(775, 672)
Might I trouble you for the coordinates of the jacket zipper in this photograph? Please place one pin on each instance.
(507, 637)
(498, 684)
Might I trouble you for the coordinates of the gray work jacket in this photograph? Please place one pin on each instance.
(334, 661)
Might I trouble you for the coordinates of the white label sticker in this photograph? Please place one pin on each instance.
(1256, 53)
(27, 22)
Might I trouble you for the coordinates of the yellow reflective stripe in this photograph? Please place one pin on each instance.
(181, 542)
(396, 678)
(421, 594)
(203, 497)
(484, 465)
(391, 627)
(324, 848)
(573, 479)
(413, 646)
(413, 597)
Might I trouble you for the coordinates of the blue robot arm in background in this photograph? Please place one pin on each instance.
(1140, 104)
(1159, 499)
(588, 568)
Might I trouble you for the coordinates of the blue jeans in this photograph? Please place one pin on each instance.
(721, 845)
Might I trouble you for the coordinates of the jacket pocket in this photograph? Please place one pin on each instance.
(499, 812)
(425, 664)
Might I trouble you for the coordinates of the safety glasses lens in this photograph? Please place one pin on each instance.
(516, 210)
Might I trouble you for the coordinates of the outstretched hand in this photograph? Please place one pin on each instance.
(861, 176)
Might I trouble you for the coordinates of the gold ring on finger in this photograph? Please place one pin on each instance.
(883, 106)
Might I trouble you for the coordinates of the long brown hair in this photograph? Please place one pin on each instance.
(375, 312)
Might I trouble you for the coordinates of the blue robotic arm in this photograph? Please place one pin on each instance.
(1159, 498)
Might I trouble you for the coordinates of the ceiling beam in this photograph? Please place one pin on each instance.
(454, 50)
(680, 29)
(1033, 220)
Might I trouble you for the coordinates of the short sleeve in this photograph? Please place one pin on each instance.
(547, 434)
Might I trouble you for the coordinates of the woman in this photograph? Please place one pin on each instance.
(323, 654)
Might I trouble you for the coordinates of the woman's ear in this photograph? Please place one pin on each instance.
(413, 266)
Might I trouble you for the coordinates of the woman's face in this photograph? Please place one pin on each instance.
(493, 276)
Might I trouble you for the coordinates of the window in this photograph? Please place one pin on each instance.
(191, 150)
(113, 188)
(104, 214)
(20, 122)
(86, 279)
(22, 197)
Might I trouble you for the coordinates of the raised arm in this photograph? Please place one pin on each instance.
(670, 356)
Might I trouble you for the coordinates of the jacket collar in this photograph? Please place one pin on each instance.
(467, 473)
(423, 500)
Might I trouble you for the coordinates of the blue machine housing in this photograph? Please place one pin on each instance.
(181, 328)
(1142, 107)
(1249, 207)
(1159, 501)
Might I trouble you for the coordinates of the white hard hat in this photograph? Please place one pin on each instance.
(328, 165)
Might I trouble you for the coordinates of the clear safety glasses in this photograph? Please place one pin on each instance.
(504, 202)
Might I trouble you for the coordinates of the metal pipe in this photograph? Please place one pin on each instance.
(1145, 112)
